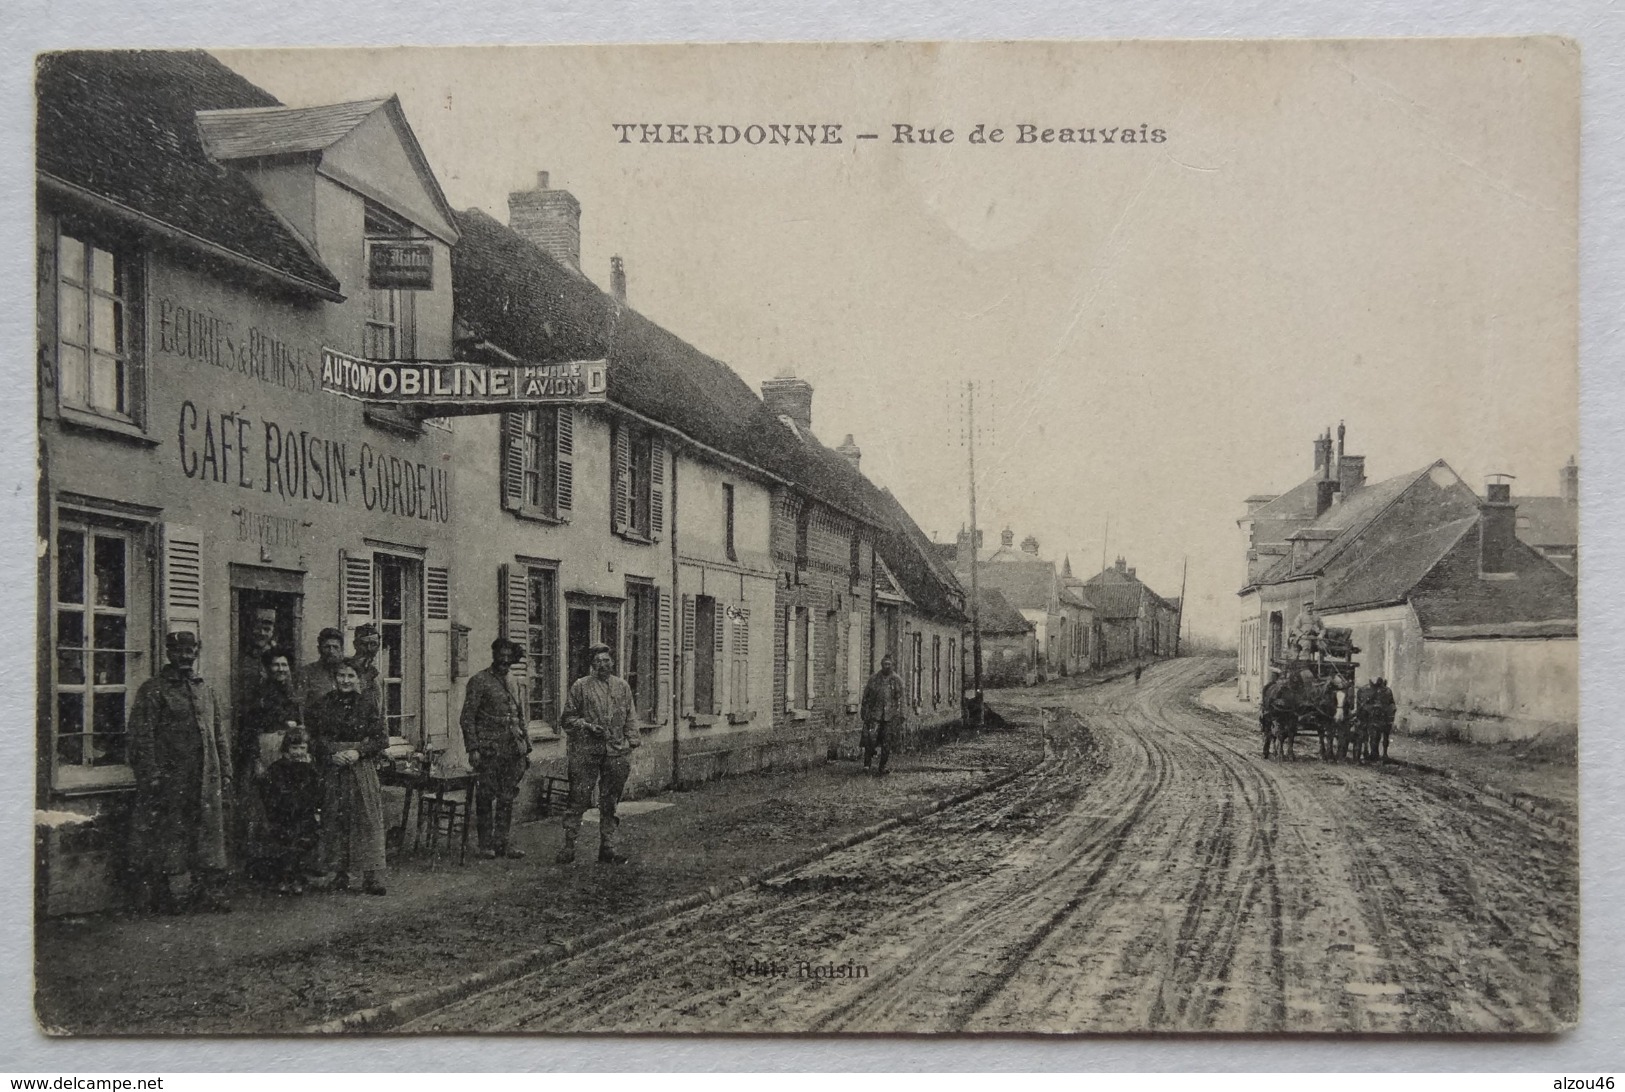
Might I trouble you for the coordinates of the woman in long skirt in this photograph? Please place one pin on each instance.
(347, 734)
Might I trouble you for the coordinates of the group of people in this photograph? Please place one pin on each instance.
(293, 798)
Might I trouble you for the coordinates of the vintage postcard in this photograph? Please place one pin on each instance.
(1000, 538)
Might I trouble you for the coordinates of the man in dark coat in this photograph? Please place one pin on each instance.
(180, 751)
(498, 748)
(882, 712)
(599, 739)
(365, 661)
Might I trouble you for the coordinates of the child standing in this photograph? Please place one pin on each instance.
(292, 793)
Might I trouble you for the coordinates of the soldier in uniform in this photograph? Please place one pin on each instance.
(180, 751)
(882, 712)
(498, 748)
(599, 739)
(1309, 634)
(318, 678)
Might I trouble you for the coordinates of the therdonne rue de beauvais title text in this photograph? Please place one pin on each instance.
(753, 134)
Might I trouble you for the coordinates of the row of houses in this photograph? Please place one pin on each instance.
(1039, 622)
(201, 247)
(1466, 604)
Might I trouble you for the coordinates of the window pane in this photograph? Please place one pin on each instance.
(101, 270)
(70, 566)
(71, 375)
(392, 651)
(104, 377)
(71, 256)
(70, 720)
(70, 315)
(109, 572)
(104, 316)
(107, 745)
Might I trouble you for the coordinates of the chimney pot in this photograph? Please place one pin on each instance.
(541, 180)
(1007, 537)
(850, 451)
(617, 278)
(1029, 545)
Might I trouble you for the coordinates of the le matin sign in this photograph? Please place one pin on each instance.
(400, 265)
(458, 387)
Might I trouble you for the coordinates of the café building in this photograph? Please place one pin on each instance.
(201, 249)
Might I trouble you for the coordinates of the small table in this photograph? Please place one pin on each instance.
(429, 783)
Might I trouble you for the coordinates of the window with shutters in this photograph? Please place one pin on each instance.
(916, 667)
(739, 662)
(637, 485)
(101, 627)
(538, 462)
(99, 375)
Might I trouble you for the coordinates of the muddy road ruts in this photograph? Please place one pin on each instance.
(1153, 874)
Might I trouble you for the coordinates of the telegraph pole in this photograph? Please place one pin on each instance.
(975, 587)
(1179, 619)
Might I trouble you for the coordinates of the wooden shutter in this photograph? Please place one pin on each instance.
(854, 652)
(809, 659)
(565, 472)
(719, 665)
(657, 488)
(620, 474)
(513, 460)
(436, 655)
(688, 655)
(663, 669)
(355, 592)
(789, 658)
(513, 599)
(183, 579)
(741, 661)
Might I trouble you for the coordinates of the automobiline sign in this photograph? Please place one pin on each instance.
(463, 387)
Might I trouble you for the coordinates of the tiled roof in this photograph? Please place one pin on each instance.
(1296, 503)
(1116, 601)
(996, 617)
(121, 126)
(1453, 600)
(1388, 575)
(909, 556)
(513, 295)
(1552, 521)
(1029, 586)
(280, 130)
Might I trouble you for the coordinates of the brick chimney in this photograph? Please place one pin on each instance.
(1122, 565)
(617, 278)
(549, 218)
(850, 451)
(789, 397)
(1007, 538)
(1350, 475)
(1323, 453)
(1029, 545)
(1569, 479)
(1325, 490)
(1497, 528)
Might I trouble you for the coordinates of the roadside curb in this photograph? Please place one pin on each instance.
(380, 1018)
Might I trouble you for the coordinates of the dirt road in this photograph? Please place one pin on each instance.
(1154, 873)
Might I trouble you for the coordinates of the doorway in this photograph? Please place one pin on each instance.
(254, 590)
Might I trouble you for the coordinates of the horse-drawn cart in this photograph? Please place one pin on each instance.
(1311, 692)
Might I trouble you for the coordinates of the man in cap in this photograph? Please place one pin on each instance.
(180, 752)
(316, 679)
(498, 748)
(367, 643)
(599, 739)
(882, 712)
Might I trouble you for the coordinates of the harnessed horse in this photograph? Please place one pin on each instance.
(1374, 710)
(1298, 700)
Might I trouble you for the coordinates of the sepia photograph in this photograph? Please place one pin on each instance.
(1060, 538)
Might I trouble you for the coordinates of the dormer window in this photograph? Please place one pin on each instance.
(390, 332)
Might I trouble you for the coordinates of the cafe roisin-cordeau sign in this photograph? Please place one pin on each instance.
(443, 388)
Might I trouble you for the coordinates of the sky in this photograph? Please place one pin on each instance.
(1378, 233)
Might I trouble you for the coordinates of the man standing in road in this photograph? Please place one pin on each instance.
(498, 748)
(599, 738)
(882, 712)
(180, 753)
